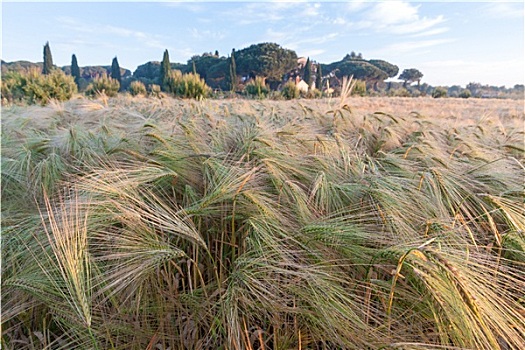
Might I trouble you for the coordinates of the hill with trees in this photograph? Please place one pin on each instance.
(267, 65)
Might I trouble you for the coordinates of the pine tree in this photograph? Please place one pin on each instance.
(165, 69)
(233, 72)
(115, 71)
(48, 60)
(75, 70)
(308, 73)
(319, 78)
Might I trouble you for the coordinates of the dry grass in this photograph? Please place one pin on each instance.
(354, 223)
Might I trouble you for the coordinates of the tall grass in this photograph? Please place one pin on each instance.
(165, 224)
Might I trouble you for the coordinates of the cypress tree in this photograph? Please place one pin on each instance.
(115, 71)
(319, 78)
(308, 73)
(48, 59)
(75, 70)
(165, 69)
(233, 72)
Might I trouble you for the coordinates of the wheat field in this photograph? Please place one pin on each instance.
(348, 223)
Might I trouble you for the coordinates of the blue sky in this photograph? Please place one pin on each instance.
(449, 42)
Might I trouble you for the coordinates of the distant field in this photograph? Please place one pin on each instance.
(359, 223)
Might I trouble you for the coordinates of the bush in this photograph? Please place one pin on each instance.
(137, 88)
(465, 94)
(187, 85)
(59, 86)
(34, 87)
(155, 91)
(439, 92)
(103, 85)
(12, 88)
(313, 93)
(359, 88)
(290, 91)
(257, 88)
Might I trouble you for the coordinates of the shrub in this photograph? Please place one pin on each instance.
(103, 85)
(359, 88)
(465, 94)
(314, 93)
(439, 92)
(186, 85)
(12, 89)
(257, 88)
(195, 86)
(59, 86)
(290, 91)
(137, 88)
(33, 87)
(155, 91)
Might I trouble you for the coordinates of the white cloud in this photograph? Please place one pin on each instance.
(431, 32)
(416, 26)
(194, 7)
(103, 31)
(398, 17)
(252, 13)
(393, 12)
(356, 6)
(340, 21)
(275, 36)
(503, 10)
(207, 34)
(312, 52)
(310, 10)
(405, 47)
(315, 40)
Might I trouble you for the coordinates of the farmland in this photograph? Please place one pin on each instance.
(345, 223)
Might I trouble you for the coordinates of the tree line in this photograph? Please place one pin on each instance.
(258, 70)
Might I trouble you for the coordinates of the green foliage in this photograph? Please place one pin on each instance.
(439, 92)
(155, 90)
(307, 77)
(34, 87)
(187, 85)
(257, 88)
(103, 85)
(148, 72)
(201, 64)
(218, 76)
(319, 78)
(400, 92)
(48, 60)
(390, 69)
(359, 88)
(267, 60)
(290, 91)
(359, 69)
(137, 88)
(411, 75)
(75, 70)
(165, 69)
(12, 87)
(372, 71)
(115, 71)
(465, 93)
(233, 72)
